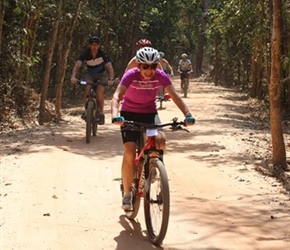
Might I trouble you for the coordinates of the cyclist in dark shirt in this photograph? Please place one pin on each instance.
(99, 67)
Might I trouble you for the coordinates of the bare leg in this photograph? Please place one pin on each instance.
(100, 98)
(86, 93)
(160, 140)
(128, 165)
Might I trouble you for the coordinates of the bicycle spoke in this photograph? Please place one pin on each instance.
(156, 204)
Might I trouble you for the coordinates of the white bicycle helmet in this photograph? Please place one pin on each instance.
(147, 55)
(183, 55)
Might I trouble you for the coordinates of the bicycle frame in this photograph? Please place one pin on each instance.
(92, 95)
(143, 157)
(185, 81)
(151, 180)
(91, 107)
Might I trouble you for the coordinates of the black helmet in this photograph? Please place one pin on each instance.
(94, 39)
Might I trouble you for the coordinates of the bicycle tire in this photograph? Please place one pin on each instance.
(89, 118)
(135, 202)
(95, 120)
(185, 87)
(157, 202)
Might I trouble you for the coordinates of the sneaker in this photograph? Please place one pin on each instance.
(127, 202)
(101, 119)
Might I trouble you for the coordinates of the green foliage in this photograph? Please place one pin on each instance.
(234, 22)
(234, 28)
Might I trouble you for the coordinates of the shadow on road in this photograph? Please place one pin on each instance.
(132, 237)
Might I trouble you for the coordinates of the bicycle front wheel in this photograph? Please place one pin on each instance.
(95, 122)
(157, 202)
(185, 87)
(89, 118)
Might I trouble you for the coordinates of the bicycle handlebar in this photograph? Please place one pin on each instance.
(175, 125)
(162, 98)
(93, 84)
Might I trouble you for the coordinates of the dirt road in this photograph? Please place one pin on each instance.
(58, 193)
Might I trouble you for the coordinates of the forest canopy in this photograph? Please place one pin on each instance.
(229, 41)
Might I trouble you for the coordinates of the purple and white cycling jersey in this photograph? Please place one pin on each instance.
(140, 95)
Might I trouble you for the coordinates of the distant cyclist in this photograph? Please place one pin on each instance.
(99, 67)
(166, 68)
(139, 45)
(184, 68)
(165, 64)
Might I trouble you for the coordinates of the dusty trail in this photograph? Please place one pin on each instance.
(57, 192)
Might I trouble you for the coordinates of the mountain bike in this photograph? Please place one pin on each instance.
(164, 97)
(150, 180)
(185, 81)
(91, 110)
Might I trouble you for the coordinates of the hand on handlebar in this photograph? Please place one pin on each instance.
(189, 120)
(111, 83)
(74, 80)
(118, 120)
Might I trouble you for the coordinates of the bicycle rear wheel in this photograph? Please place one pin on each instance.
(89, 118)
(157, 202)
(135, 202)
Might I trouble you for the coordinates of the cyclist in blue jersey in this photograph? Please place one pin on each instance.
(99, 67)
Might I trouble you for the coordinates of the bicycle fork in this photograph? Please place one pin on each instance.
(150, 155)
(141, 183)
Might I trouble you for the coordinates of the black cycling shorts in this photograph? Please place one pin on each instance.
(97, 76)
(133, 136)
(184, 74)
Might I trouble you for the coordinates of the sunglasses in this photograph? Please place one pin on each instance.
(147, 66)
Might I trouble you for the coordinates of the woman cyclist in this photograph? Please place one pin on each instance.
(137, 90)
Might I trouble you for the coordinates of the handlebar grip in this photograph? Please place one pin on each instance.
(88, 83)
(82, 82)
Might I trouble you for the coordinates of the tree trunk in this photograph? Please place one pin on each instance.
(2, 14)
(63, 62)
(43, 116)
(201, 41)
(216, 60)
(257, 70)
(31, 26)
(279, 152)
